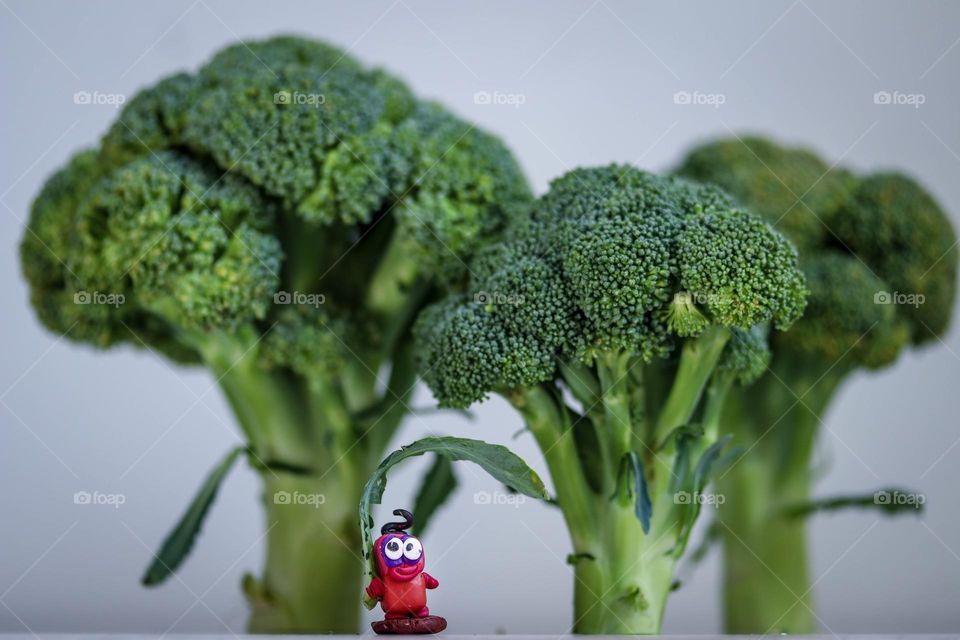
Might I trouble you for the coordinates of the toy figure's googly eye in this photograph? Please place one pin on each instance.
(412, 549)
(392, 549)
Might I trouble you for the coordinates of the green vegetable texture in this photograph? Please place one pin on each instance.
(615, 320)
(880, 259)
(279, 217)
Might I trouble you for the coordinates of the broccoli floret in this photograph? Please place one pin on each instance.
(280, 215)
(317, 344)
(790, 188)
(46, 259)
(194, 248)
(893, 225)
(616, 313)
(683, 317)
(747, 355)
(745, 273)
(470, 355)
(886, 222)
(843, 325)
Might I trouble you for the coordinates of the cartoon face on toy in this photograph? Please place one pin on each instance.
(399, 556)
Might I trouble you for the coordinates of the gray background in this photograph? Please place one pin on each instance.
(597, 82)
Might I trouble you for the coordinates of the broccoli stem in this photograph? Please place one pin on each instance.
(638, 380)
(393, 406)
(395, 274)
(304, 244)
(766, 571)
(717, 392)
(312, 570)
(330, 414)
(310, 580)
(549, 421)
(615, 392)
(267, 404)
(312, 574)
(623, 587)
(623, 574)
(765, 568)
(585, 386)
(697, 361)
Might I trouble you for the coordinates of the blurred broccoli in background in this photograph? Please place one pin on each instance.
(880, 259)
(279, 217)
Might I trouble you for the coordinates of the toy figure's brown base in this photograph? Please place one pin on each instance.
(427, 624)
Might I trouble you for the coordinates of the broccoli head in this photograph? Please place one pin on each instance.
(610, 260)
(280, 166)
(879, 253)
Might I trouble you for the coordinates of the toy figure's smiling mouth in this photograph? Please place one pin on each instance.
(406, 572)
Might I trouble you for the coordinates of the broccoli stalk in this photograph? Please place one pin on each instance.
(278, 217)
(881, 264)
(615, 320)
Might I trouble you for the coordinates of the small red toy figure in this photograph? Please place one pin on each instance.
(401, 584)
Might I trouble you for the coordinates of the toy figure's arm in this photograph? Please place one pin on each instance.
(375, 589)
(432, 583)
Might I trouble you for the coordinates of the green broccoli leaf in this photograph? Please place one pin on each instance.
(689, 502)
(495, 459)
(179, 542)
(891, 501)
(438, 485)
(631, 465)
(701, 473)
